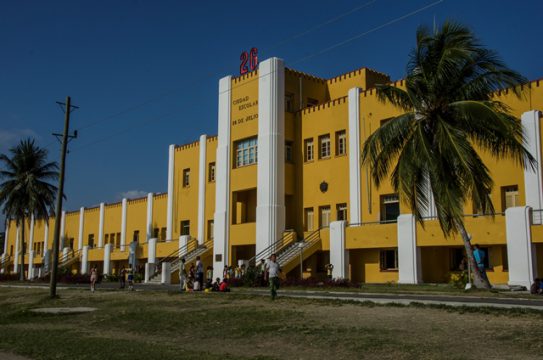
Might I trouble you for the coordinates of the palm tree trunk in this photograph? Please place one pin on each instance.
(479, 281)
(22, 270)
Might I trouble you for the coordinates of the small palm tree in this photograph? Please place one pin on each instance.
(25, 190)
(449, 112)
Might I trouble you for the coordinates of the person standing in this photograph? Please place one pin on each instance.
(122, 275)
(479, 256)
(329, 271)
(93, 278)
(130, 279)
(274, 270)
(182, 275)
(199, 273)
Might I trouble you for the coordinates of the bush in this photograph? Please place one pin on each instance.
(9, 277)
(458, 280)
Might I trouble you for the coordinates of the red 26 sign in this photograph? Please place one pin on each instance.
(250, 57)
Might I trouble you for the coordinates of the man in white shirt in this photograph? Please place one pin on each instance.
(273, 274)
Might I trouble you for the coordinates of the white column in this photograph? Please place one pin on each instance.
(166, 274)
(65, 252)
(62, 230)
(151, 251)
(85, 260)
(169, 214)
(270, 209)
(202, 190)
(339, 255)
(532, 178)
(101, 226)
(409, 264)
(107, 259)
(520, 250)
(81, 228)
(46, 236)
(31, 235)
(149, 224)
(30, 273)
(222, 181)
(6, 238)
(123, 224)
(16, 254)
(355, 196)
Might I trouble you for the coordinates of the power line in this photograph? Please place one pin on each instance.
(323, 24)
(320, 52)
(341, 43)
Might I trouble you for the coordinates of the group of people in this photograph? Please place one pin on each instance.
(126, 275)
(193, 279)
(237, 272)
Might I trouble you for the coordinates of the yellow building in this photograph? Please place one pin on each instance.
(284, 175)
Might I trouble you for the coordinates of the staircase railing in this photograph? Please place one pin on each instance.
(309, 241)
(276, 247)
(4, 263)
(66, 258)
(186, 251)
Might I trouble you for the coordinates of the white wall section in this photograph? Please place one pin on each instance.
(222, 181)
(355, 197)
(270, 209)
(171, 172)
(409, 264)
(520, 250)
(202, 190)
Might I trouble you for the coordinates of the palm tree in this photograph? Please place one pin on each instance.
(25, 190)
(448, 112)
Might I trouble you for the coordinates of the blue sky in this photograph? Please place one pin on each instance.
(145, 73)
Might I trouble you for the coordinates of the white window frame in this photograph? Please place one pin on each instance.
(325, 146)
(246, 152)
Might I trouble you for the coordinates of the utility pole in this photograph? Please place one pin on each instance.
(58, 210)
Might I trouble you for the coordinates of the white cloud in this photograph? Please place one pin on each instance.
(11, 137)
(132, 194)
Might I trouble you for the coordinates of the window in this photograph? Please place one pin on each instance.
(341, 143)
(246, 152)
(163, 234)
(324, 146)
(388, 259)
(308, 219)
(118, 242)
(211, 172)
(390, 208)
(71, 242)
(324, 215)
(91, 241)
(312, 102)
(289, 102)
(457, 259)
(308, 146)
(156, 232)
(210, 229)
(185, 227)
(288, 152)
(186, 177)
(112, 239)
(11, 250)
(106, 240)
(341, 211)
(510, 197)
(136, 236)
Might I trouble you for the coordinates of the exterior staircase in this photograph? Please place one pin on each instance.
(4, 263)
(287, 250)
(65, 260)
(189, 252)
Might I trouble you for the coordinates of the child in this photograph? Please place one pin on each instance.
(223, 287)
(216, 285)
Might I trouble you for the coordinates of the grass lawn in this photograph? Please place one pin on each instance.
(160, 325)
